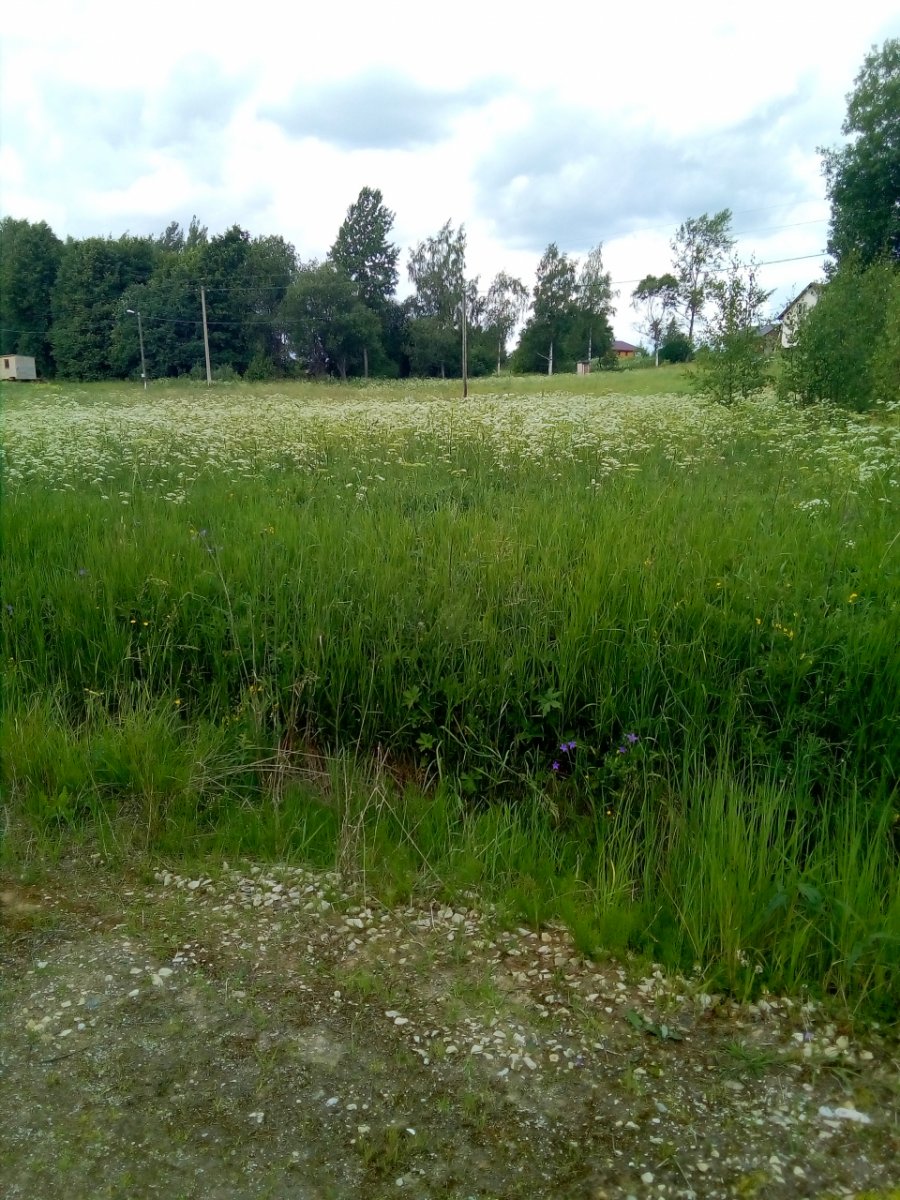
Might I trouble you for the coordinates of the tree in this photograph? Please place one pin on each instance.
(863, 177)
(505, 306)
(655, 298)
(197, 234)
(86, 300)
(222, 269)
(269, 269)
(594, 300)
(553, 305)
(676, 346)
(436, 266)
(328, 325)
(847, 348)
(29, 260)
(362, 249)
(699, 249)
(733, 363)
(172, 238)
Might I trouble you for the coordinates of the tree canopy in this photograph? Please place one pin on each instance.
(863, 177)
(699, 249)
(362, 249)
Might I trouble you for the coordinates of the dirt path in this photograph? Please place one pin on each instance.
(263, 1034)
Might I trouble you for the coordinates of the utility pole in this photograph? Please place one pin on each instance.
(205, 336)
(590, 346)
(465, 349)
(365, 362)
(134, 312)
(550, 361)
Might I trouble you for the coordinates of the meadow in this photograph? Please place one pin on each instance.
(617, 657)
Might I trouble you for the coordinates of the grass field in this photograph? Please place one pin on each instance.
(624, 658)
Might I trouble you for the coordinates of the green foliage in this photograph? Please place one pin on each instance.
(86, 301)
(29, 260)
(330, 328)
(269, 270)
(847, 348)
(699, 249)
(505, 305)
(570, 313)
(863, 177)
(436, 268)
(676, 345)
(733, 364)
(424, 642)
(655, 298)
(362, 249)
(260, 369)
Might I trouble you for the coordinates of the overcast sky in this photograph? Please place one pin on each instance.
(575, 124)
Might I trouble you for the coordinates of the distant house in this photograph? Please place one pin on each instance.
(624, 349)
(17, 366)
(583, 367)
(792, 316)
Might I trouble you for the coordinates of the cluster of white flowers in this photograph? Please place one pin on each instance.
(62, 436)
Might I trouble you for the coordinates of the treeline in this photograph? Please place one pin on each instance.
(73, 305)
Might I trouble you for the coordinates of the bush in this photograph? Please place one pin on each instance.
(733, 364)
(260, 368)
(847, 350)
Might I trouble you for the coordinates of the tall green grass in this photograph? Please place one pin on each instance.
(203, 673)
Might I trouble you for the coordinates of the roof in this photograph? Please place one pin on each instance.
(617, 345)
(766, 328)
(815, 286)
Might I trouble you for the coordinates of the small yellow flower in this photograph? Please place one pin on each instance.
(177, 703)
(853, 597)
(759, 620)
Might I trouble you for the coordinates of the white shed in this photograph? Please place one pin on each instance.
(17, 366)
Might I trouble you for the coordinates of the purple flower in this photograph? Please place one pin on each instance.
(631, 738)
(567, 747)
(622, 750)
(554, 766)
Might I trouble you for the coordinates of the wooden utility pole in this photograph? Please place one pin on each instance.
(143, 360)
(205, 336)
(465, 349)
(141, 343)
(365, 363)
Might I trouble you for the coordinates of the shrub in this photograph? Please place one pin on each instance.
(847, 350)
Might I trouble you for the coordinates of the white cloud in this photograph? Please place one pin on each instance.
(574, 124)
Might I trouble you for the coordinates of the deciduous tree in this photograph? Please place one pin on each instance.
(733, 363)
(29, 260)
(328, 325)
(699, 249)
(505, 306)
(655, 299)
(863, 177)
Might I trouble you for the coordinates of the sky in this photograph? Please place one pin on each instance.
(573, 124)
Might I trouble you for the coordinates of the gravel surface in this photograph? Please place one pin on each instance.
(263, 1031)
